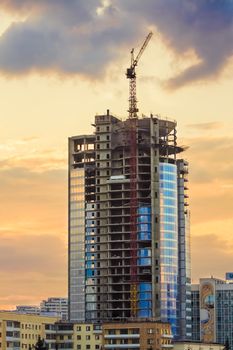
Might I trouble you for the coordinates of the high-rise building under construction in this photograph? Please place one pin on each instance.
(129, 252)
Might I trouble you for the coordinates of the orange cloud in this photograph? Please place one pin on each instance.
(218, 260)
(32, 268)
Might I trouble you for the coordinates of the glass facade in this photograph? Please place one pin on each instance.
(195, 315)
(144, 259)
(184, 276)
(224, 316)
(168, 244)
(145, 303)
(91, 260)
(77, 244)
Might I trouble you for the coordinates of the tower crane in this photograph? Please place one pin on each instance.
(131, 75)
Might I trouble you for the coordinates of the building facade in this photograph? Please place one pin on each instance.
(196, 345)
(55, 305)
(129, 224)
(72, 336)
(21, 331)
(212, 311)
(137, 335)
(27, 309)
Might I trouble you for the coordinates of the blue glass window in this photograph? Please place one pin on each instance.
(168, 243)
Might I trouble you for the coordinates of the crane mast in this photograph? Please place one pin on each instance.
(131, 75)
(133, 110)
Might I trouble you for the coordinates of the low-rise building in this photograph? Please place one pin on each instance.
(87, 336)
(196, 345)
(137, 335)
(56, 306)
(28, 309)
(72, 336)
(21, 331)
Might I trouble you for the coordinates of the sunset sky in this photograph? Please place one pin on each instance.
(63, 61)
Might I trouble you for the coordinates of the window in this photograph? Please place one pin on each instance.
(88, 328)
(150, 331)
(97, 337)
(97, 347)
(78, 347)
(88, 337)
(78, 337)
(88, 346)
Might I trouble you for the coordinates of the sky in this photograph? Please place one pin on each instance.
(64, 61)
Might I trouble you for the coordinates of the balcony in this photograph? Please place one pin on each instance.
(167, 336)
(167, 346)
(13, 339)
(122, 346)
(122, 336)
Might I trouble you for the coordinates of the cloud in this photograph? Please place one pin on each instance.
(206, 126)
(33, 250)
(33, 202)
(84, 37)
(26, 154)
(71, 39)
(210, 177)
(218, 260)
(209, 203)
(32, 254)
(210, 158)
(205, 27)
(37, 273)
